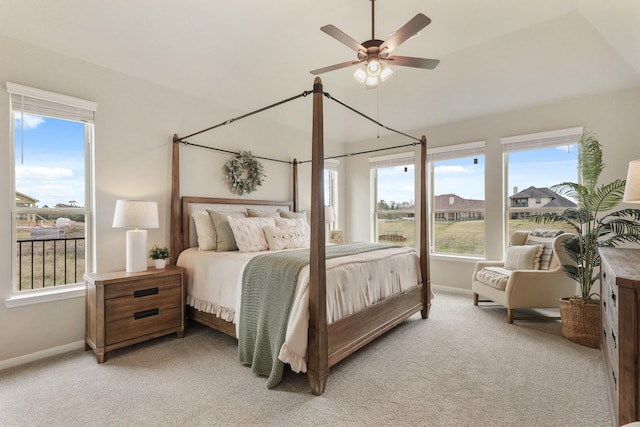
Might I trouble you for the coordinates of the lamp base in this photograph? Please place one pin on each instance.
(136, 250)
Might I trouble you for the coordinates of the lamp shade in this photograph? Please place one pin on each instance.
(329, 215)
(632, 189)
(135, 214)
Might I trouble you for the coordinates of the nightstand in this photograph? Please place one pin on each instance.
(127, 308)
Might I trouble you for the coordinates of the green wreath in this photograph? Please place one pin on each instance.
(244, 173)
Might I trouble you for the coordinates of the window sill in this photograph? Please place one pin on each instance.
(37, 297)
(454, 257)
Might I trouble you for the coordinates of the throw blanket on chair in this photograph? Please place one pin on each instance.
(268, 288)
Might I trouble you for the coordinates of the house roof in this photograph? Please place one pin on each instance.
(442, 202)
(495, 55)
(557, 201)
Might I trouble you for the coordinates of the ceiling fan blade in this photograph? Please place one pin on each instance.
(343, 38)
(416, 23)
(334, 67)
(408, 61)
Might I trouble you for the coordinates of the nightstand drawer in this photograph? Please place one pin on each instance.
(142, 287)
(125, 307)
(143, 322)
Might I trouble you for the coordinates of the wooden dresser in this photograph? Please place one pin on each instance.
(620, 281)
(126, 308)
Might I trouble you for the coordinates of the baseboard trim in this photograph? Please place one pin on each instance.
(451, 289)
(32, 357)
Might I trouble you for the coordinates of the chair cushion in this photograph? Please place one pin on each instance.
(523, 257)
(495, 277)
(546, 238)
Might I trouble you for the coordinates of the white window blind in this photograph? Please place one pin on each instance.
(457, 151)
(49, 104)
(332, 164)
(391, 160)
(547, 139)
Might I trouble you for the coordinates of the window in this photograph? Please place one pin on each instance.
(457, 205)
(51, 138)
(331, 188)
(533, 164)
(393, 179)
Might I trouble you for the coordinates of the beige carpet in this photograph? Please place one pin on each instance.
(464, 366)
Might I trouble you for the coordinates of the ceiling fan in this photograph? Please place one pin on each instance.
(374, 54)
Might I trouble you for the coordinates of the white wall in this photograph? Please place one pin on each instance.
(135, 123)
(611, 117)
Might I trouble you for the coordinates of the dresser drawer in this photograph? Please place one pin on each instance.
(143, 322)
(142, 287)
(126, 307)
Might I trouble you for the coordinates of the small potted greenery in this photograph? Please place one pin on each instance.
(159, 255)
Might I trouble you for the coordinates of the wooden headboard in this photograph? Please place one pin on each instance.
(189, 205)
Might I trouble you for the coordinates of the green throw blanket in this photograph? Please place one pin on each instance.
(268, 289)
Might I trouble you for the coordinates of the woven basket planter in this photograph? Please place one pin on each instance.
(581, 321)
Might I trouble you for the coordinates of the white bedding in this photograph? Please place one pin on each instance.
(213, 286)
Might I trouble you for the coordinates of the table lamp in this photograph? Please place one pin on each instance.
(136, 214)
(632, 189)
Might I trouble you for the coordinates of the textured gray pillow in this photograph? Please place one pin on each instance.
(224, 235)
(253, 213)
(293, 215)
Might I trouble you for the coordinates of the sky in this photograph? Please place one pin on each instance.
(538, 168)
(49, 160)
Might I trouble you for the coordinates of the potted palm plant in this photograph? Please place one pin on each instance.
(596, 224)
(159, 255)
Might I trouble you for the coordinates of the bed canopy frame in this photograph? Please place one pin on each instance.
(346, 335)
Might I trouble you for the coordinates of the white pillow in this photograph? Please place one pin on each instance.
(523, 257)
(204, 230)
(248, 232)
(299, 225)
(280, 238)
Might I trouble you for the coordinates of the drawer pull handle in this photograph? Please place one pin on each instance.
(615, 380)
(604, 334)
(604, 305)
(145, 292)
(146, 313)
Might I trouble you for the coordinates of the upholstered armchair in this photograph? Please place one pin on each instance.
(531, 275)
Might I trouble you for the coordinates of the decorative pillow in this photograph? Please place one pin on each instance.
(299, 224)
(224, 236)
(248, 232)
(293, 215)
(546, 238)
(494, 276)
(523, 257)
(280, 238)
(251, 213)
(205, 231)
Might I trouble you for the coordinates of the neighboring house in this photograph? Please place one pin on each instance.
(528, 201)
(24, 201)
(451, 207)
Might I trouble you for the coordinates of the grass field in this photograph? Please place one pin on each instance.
(456, 237)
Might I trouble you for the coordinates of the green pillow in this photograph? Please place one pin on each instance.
(224, 235)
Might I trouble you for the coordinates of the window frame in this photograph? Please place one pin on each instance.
(527, 142)
(63, 107)
(333, 166)
(451, 152)
(387, 161)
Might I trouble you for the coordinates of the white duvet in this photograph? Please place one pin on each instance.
(353, 283)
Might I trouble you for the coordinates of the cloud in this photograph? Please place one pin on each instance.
(30, 122)
(41, 172)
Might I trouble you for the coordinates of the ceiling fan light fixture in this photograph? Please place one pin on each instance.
(373, 67)
(372, 81)
(385, 72)
(360, 74)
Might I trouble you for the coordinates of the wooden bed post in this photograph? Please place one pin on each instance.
(175, 242)
(295, 185)
(318, 348)
(424, 232)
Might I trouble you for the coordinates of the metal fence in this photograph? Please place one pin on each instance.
(50, 262)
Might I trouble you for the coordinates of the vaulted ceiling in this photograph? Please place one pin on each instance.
(496, 55)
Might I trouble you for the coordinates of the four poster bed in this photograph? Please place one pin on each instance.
(328, 338)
